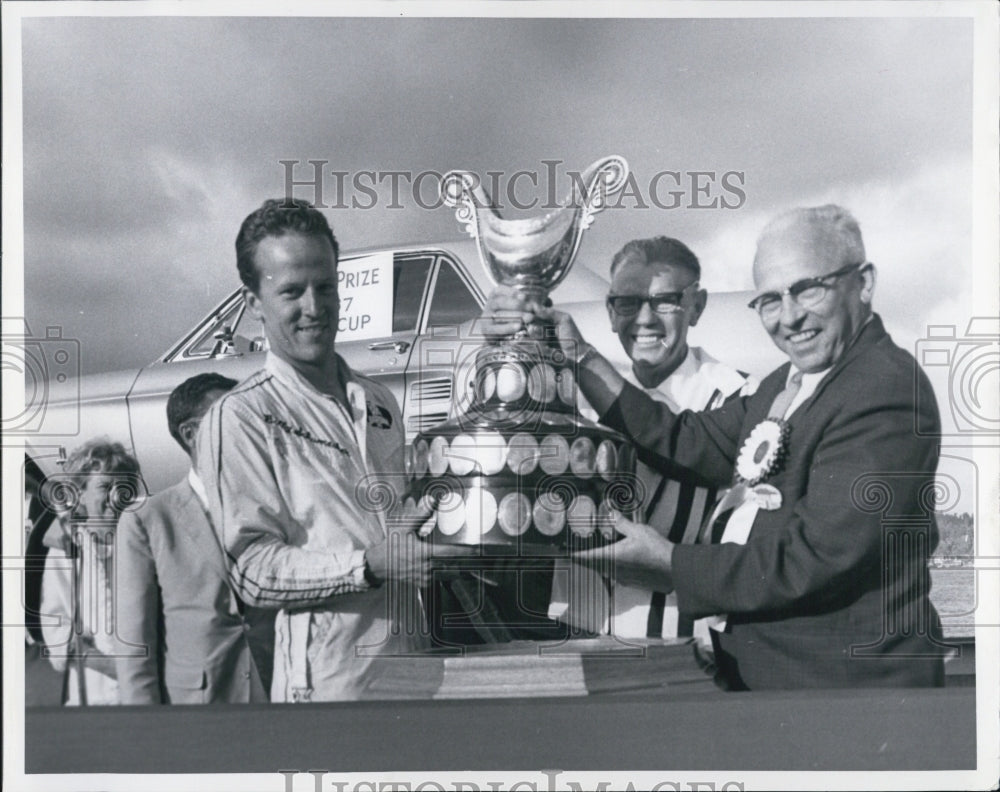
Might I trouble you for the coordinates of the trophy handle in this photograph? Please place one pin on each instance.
(603, 178)
(535, 253)
(463, 191)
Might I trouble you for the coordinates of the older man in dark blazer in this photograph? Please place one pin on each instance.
(173, 592)
(820, 579)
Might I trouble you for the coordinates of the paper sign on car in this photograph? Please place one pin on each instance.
(365, 288)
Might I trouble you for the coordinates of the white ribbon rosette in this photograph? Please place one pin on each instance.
(763, 452)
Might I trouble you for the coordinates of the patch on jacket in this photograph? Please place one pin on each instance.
(305, 434)
(378, 416)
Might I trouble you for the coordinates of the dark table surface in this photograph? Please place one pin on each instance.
(657, 718)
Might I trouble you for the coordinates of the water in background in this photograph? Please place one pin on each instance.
(953, 592)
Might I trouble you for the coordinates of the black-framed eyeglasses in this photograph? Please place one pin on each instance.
(661, 302)
(808, 292)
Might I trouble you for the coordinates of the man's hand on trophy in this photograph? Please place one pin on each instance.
(403, 555)
(641, 558)
(407, 517)
(508, 311)
(570, 338)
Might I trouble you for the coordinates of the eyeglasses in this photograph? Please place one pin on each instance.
(807, 293)
(661, 302)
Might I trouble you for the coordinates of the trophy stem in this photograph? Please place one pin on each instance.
(533, 292)
(538, 329)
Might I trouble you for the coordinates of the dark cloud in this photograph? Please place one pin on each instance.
(146, 140)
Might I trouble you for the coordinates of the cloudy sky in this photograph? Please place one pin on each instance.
(147, 140)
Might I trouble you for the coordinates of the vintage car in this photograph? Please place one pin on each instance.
(405, 320)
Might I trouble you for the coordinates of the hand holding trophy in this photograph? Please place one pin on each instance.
(509, 311)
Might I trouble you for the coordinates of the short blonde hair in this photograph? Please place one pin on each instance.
(100, 455)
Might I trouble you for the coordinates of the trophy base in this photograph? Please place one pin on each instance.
(491, 600)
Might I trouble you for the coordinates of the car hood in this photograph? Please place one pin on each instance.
(106, 385)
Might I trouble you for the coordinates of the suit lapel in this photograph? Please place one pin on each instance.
(760, 404)
(870, 334)
(195, 524)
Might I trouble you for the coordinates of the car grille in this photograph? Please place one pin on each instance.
(418, 423)
(431, 390)
(431, 402)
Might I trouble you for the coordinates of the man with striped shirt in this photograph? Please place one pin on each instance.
(654, 298)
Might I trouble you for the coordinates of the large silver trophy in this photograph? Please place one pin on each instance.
(521, 472)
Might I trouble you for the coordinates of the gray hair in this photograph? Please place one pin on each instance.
(833, 224)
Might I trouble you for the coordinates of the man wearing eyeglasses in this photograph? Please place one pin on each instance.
(654, 299)
(815, 591)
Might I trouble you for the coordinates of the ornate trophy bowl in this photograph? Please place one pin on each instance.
(520, 471)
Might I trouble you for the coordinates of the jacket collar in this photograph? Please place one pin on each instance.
(291, 377)
(287, 372)
(197, 522)
(197, 487)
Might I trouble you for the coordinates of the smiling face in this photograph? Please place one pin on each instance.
(94, 504)
(296, 300)
(656, 342)
(813, 338)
